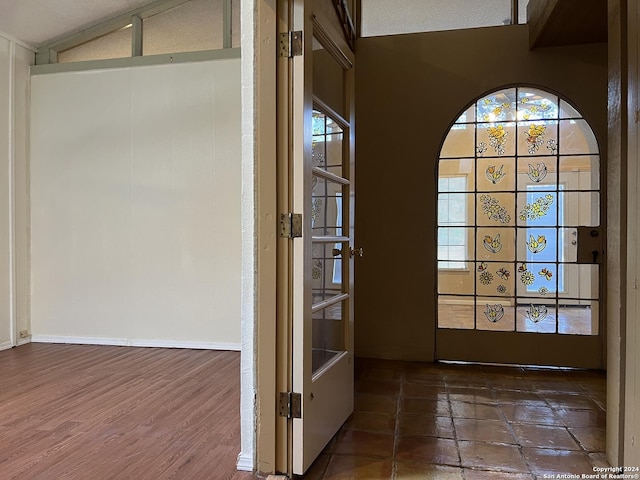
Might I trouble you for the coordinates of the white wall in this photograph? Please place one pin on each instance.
(135, 205)
(14, 80)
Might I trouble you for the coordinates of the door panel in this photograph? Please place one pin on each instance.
(320, 184)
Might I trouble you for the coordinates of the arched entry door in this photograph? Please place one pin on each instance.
(519, 233)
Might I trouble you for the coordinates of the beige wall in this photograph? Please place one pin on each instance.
(135, 205)
(422, 83)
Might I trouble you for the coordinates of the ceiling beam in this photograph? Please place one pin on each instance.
(566, 22)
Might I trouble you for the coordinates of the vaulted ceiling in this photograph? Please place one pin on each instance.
(37, 22)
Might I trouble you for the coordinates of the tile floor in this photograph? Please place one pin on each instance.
(467, 422)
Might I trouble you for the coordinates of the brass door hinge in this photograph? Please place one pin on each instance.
(290, 225)
(290, 405)
(290, 44)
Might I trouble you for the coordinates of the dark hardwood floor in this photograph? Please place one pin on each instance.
(95, 412)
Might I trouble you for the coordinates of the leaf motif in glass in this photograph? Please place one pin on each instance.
(494, 313)
(494, 175)
(536, 245)
(537, 313)
(493, 245)
(538, 173)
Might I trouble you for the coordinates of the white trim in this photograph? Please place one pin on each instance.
(23, 341)
(13, 322)
(245, 462)
(13, 39)
(135, 342)
(5, 346)
(248, 27)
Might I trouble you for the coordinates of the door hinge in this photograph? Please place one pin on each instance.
(290, 405)
(290, 225)
(291, 44)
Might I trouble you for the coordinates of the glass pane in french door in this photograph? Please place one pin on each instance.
(329, 244)
(509, 211)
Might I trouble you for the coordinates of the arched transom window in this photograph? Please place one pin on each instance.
(518, 178)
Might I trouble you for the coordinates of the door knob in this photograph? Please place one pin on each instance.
(357, 251)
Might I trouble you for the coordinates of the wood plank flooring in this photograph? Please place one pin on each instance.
(97, 412)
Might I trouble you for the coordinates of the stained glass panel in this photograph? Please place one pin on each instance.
(495, 244)
(507, 231)
(494, 313)
(460, 142)
(535, 317)
(495, 209)
(536, 104)
(583, 209)
(496, 174)
(456, 312)
(539, 173)
(581, 171)
(576, 137)
(538, 138)
(496, 139)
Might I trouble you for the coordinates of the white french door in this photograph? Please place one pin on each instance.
(320, 187)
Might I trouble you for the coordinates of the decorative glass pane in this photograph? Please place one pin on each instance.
(538, 138)
(535, 104)
(496, 174)
(507, 225)
(459, 142)
(568, 111)
(537, 173)
(576, 137)
(539, 279)
(494, 313)
(496, 139)
(495, 278)
(580, 209)
(581, 281)
(495, 209)
(456, 312)
(580, 172)
(455, 283)
(578, 318)
(498, 107)
(469, 115)
(496, 244)
(538, 208)
(537, 245)
(536, 317)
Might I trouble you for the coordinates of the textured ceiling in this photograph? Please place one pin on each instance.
(37, 22)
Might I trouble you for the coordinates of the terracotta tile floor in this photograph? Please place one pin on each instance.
(467, 422)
